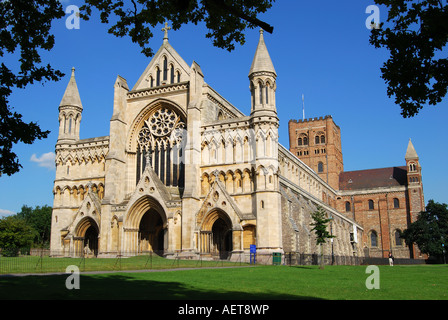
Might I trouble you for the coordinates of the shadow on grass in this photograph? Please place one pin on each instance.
(120, 287)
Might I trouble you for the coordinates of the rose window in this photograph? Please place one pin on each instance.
(162, 122)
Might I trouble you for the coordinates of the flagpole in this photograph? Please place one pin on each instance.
(303, 106)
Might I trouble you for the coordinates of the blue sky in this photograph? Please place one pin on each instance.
(319, 48)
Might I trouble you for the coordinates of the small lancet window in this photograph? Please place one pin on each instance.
(172, 74)
(157, 76)
(165, 69)
(267, 93)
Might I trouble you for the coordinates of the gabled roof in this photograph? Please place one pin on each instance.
(373, 178)
(172, 56)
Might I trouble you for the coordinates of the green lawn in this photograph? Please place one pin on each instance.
(36, 264)
(261, 282)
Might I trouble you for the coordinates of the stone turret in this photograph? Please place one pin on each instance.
(70, 111)
(262, 78)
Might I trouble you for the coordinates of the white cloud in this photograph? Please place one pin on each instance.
(4, 213)
(46, 160)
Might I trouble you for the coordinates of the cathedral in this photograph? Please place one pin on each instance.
(186, 174)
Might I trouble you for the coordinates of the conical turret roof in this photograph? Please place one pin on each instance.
(410, 152)
(262, 61)
(71, 96)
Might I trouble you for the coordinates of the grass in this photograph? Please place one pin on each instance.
(247, 283)
(45, 264)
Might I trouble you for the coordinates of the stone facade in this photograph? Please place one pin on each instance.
(383, 201)
(185, 173)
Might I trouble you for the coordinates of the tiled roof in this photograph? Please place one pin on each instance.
(373, 178)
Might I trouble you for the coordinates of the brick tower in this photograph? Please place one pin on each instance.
(317, 142)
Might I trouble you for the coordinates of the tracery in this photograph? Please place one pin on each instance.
(161, 145)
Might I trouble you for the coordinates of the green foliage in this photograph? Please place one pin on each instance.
(320, 229)
(320, 225)
(30, 227)
(39, 219)
(417, 70)
(226, 20)
(430, 230)
(25, 27)
(15, 233)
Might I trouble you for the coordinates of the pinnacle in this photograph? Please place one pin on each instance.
(71, 96)
(262, 61)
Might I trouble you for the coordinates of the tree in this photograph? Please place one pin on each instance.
(226, 20)
(430, 230)
(417, 70)
(15, 233)
(39, 219)
(320, 228)
(25, 27)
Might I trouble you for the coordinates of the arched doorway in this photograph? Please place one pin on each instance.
(87, 233)
(145, 227)
(151, 233)
(221, 238)
(217, 235)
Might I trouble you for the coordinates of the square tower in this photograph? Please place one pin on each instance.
(317, 142)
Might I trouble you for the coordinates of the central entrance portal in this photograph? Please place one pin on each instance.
(151, 233)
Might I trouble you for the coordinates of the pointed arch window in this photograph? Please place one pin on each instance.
(157, 76)
(172, 74)
(165, 69)
(70, 124)
(260, 91)
(267, 93)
